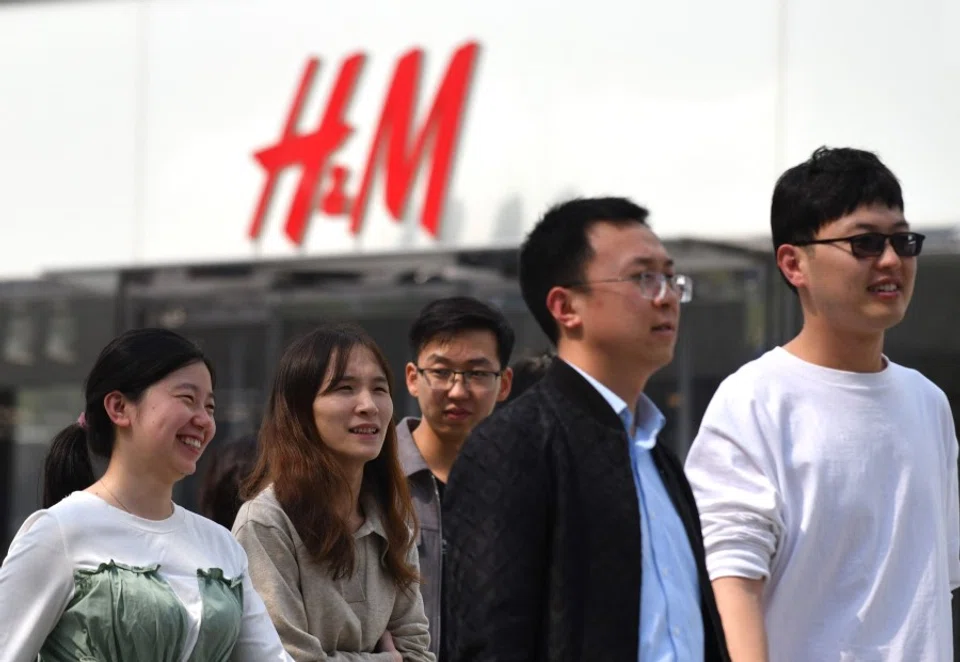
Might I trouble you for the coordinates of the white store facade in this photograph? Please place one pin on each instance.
(240, 169)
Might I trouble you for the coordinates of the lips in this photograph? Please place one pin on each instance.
(664, 327)
(192, 441)
(365, 429)
(887, 287)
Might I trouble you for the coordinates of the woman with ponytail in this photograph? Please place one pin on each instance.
(111, 569)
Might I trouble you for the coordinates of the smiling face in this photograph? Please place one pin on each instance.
(862, 295)
(168, 428)
(352, 413)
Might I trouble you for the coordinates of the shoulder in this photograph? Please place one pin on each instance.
(523, 425)
(760, 382)
(912, 383)
(41, 529)
(513, 446)
(78, 515)
(263, 510)
(916, 381)
(759, 373)
(212, 536)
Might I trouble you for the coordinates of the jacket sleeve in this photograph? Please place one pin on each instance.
(496, 514)
(408, 622)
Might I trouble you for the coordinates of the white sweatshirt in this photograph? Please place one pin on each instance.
(841, 490)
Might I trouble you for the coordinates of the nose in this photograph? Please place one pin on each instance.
(205, 421)
(666, 297)
(459, 388)
(366, 403)
(888, 258)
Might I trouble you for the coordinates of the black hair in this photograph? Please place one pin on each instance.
(230, 465)
(130, 364)
(445, 318)
(832, 183)
(556, 251)
(527, 371)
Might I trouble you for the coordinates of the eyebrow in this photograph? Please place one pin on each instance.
(478, 360)
(187, 386)
(651, 262)
(873, 227)
(354, 378)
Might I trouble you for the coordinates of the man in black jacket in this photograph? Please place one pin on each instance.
(562, 502)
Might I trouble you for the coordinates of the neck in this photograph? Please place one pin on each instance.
(613, 372)
(140, 493)
(851, 352)
(354, 512)
(439, 453)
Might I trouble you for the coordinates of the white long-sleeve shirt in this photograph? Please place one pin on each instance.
(840, 489)
(82, 537)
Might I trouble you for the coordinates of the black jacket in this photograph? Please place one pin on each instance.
(542, 533)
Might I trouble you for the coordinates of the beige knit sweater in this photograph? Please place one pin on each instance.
(322, 619)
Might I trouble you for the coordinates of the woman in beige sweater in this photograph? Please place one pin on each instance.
(328, 530)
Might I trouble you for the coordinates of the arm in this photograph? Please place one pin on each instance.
(275, 576)
(408, 626)
(36, 584)
(740, 601)
(952, 495)
(496, 514)
(740, 514)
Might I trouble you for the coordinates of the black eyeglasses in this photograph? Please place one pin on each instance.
(872, 244)
(442, 379)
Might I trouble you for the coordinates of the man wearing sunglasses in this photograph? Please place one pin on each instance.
(460, 348)
(825, 473)
(571, 533)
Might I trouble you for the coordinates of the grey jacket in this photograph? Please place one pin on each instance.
(426, 501)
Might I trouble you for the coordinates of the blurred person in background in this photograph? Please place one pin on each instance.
(230, 465)
(330, 529)
(460, 349)
(527, 371)
(826, 474)
(112, 570)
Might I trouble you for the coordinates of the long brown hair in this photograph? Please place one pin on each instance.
(307, 479)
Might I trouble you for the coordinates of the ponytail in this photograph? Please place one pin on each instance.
(67, 468)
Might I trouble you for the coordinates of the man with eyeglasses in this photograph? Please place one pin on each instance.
(571, 533)
(460, 348)
(825, 473)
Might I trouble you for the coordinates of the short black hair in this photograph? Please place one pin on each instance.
(445, 318)
(832, 183)
(527, 371)
(556, 251)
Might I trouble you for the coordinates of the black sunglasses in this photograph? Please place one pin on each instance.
(872, 244)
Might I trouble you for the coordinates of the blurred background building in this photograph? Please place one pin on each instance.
(240, 170)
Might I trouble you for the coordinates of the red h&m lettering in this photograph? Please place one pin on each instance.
(392, 151)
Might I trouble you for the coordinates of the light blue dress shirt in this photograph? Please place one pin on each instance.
(671, 623)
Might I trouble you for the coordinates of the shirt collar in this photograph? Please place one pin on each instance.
(411, 459)
(649, 419)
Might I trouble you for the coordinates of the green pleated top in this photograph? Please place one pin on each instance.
(120, 613)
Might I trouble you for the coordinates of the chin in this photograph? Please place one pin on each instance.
(184, 470)
(884, 320)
